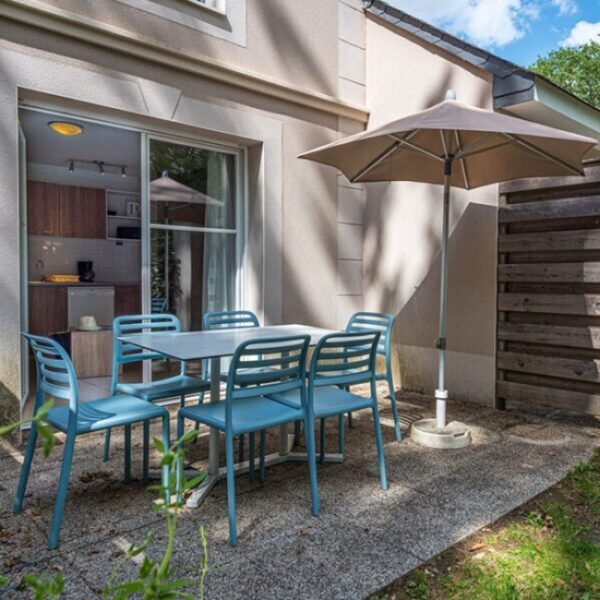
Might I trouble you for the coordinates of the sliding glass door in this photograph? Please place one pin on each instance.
(195, 234)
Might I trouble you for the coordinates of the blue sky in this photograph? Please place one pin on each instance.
(518, 30)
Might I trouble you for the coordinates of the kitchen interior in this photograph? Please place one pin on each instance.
(83, 239)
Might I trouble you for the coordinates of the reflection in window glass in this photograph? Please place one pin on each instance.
(191, 187)
(193, 272)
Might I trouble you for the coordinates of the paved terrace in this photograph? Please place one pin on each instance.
(363, 539)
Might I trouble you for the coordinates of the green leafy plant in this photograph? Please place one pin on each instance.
(155, 578)
(43, 428)
(575, 69)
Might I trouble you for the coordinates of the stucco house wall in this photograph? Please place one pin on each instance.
(291, 259)
(402, 229)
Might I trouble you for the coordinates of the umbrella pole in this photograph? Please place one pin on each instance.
(441, 394)
(437, 433)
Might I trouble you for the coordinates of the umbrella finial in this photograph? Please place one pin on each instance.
(450, 95)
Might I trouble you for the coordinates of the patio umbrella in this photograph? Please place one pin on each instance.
(455, 145)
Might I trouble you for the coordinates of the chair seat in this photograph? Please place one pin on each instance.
(327, 401)
(249, 414)
(179, 385)
(105, 413)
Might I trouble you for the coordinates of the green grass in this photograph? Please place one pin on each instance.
(549, 549)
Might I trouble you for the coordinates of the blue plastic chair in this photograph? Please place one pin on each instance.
(382, 322)
(158, 305)
(339, 361)
(247, 408)
(180, 385)
(56, 378)
(233, 319)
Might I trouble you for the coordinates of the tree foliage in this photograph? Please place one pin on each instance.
(576, 69)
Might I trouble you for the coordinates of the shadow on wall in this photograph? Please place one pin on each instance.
(471, 286)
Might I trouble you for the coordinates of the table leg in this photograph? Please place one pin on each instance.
(215, 394)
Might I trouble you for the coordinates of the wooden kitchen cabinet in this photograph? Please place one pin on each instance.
(127, 300)
(65, 210)
(82, 212)
(47, 309)
(43, 208)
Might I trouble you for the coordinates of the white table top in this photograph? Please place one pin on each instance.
(196, 345)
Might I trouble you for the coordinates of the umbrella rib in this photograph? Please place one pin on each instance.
(463, 167)
(466, 151)
(417, 147)
(466, 154)
(381, 157)
(533, 148)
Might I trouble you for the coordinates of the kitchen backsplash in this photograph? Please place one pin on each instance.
(113, 262)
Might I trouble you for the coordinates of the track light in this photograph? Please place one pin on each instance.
(71, 166)
(123, 171)
(101, 168)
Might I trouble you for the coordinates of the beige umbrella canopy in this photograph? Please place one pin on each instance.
(488, 148)
(167, 189)
(455, 145)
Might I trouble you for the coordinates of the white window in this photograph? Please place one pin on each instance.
(218, 5)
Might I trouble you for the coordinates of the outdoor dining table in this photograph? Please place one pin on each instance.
(214, 345)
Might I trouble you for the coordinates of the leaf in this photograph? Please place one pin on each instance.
(167, 459)
(188, 484)
(187, 437)
(476, 547)
(159, 445)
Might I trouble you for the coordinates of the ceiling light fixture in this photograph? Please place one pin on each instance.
(71, 166)
(66, 128)
(123, 171)
(101, 168)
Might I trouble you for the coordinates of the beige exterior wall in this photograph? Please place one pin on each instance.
(290, 40)
(403, 230)
(290, 269)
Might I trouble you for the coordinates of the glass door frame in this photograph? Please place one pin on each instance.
(240, 230)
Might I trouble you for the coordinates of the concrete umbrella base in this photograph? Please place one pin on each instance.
(453, 435)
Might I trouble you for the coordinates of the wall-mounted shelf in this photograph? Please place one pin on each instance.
(122, 225)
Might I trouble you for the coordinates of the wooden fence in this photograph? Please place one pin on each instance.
(549, 293)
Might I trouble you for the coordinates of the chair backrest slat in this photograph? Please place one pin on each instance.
(344, 359)
(283, 370)
(230, 319)
(55, 372)
(124, 353)
(373, 321)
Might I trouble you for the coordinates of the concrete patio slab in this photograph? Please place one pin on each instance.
(363, 539)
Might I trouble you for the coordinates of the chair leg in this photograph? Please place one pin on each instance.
(297, 432)
(341, 434)
(350, 421)
(309, 435)
(322, 441)
(166, 435)
(251, 453)
(127, 453)
(261, 464)
(197, 424)
(230, 489)
(145, 451)
(61, 495)
(390, 383)
(379, 439)
(179, 466)
(241, 448)
(106, 445)
(25, 469)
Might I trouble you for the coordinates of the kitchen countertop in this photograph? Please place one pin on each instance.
(82, 283)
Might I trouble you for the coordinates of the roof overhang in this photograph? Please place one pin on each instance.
(551, 105)
(515, 90)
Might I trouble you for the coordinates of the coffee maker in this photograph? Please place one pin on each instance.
(85, 270)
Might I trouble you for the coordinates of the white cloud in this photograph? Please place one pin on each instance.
(582, 33)
(566, 7)
(485, 22)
